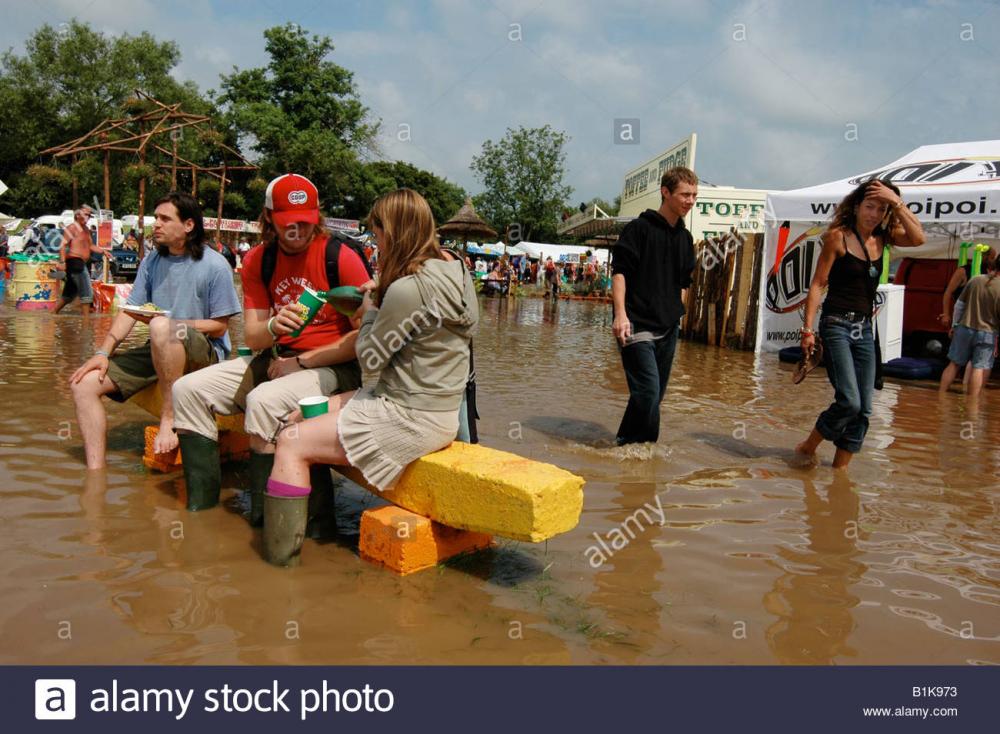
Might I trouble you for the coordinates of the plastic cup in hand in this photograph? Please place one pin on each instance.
(311, 303)
(312, 407)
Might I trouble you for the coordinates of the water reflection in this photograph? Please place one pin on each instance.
(812, 598)
(747, 536)
(625, 584)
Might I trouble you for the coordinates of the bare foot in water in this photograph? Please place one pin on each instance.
(805, 456)
(166, 439)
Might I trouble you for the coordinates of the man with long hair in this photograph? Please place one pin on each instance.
(294, 362)
(653, 261)
(192, 290)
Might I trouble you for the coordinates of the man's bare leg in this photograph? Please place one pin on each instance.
(63, 303)
(91, 418)
(168, 360)
(948, 377)
(977, 379)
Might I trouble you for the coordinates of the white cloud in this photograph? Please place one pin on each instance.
(770, 112)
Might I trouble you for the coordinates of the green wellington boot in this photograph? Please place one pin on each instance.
(284, 529)
(202, 474)
(260, 469)
(322, 518)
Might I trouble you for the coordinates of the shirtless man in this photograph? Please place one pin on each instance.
(74, 252)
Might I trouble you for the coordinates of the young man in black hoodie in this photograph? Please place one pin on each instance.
(652, 265)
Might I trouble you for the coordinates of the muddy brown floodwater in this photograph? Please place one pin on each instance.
(755, 561)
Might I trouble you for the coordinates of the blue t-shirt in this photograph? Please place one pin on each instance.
(189, 289)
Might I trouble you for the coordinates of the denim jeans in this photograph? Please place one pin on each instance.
(647, 371)
(850, 365)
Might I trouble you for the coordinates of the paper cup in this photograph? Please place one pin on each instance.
(314, 406)
(312, 304)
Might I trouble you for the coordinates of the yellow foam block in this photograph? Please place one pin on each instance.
(476, 488)
(406, 542)
(150, 400)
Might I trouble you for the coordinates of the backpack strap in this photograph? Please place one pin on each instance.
(268, 264)
(333, 245)
(332, 262)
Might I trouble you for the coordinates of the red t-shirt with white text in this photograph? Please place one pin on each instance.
(292, 275)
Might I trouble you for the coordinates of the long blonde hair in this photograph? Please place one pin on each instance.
(409, 237)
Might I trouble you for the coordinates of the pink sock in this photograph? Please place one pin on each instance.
(282, 489)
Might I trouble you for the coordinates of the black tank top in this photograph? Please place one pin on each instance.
(851, 284)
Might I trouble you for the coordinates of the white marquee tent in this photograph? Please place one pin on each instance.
(556, 252)
(954, 189)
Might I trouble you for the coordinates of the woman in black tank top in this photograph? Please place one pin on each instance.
(865, 222)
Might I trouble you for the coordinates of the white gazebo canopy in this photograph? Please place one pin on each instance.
(953, 188)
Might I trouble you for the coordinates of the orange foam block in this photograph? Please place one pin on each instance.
(406, 542)
(233, 446)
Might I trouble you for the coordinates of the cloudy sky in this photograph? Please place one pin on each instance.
(782, 94)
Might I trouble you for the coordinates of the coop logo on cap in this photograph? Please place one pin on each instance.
(292, 198)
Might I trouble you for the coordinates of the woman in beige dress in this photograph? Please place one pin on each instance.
(416, 325)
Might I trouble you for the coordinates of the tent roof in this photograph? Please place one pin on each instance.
(466, 223)
(543, 250)
(948, 183)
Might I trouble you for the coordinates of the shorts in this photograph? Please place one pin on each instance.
(133, 370)
(968, 344)
(77, 281)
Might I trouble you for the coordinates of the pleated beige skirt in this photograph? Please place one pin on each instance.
(381, 437)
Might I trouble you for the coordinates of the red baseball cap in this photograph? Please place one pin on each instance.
(292, 198)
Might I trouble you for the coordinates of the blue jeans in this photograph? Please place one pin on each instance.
(850, 365)
(647, 371)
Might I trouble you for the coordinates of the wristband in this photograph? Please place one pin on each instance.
(298, 361)
(804, 330)
(102, 353)
(270, 331)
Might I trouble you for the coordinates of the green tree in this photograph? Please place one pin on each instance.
(523, 176)
(444, 197)
(69, 80)
(302, 113)
(611, 209)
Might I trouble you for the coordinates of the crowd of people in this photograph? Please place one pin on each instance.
(413, 328)
(419, 402)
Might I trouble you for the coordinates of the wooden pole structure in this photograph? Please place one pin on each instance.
(194, 182)
(107, 179)
(142, 204)
(173, 170)
(76, 195)
(222, 196)
(107, 173)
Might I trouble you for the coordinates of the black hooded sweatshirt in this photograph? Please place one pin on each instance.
(657, 261)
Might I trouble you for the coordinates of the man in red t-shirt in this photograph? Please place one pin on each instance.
(318, 362)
